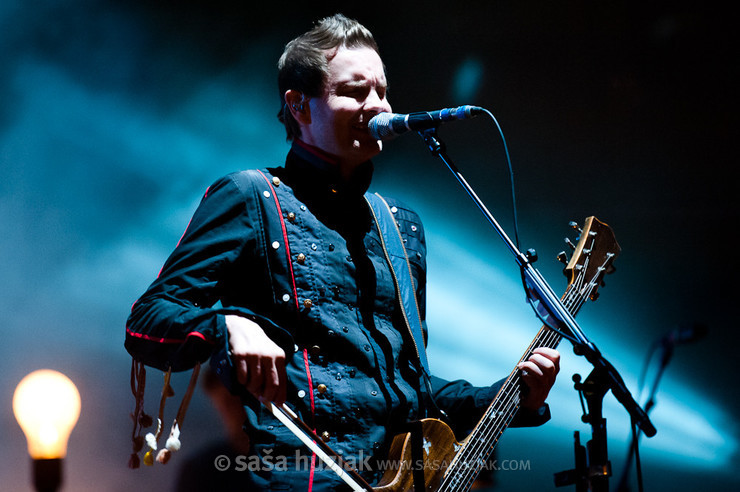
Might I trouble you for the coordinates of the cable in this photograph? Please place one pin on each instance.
(638, 465)
(511, 177)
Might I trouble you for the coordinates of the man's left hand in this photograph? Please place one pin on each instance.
(539, 373)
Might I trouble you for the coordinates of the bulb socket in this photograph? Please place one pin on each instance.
(47, 474)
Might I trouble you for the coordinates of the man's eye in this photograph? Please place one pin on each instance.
(355, 92)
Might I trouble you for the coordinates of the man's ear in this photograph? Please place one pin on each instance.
(297, 104)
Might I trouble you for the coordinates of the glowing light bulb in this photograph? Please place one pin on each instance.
(46, 404)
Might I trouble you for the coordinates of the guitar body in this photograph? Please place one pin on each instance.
(436, 443)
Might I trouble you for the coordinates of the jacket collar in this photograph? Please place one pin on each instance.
(319, 170)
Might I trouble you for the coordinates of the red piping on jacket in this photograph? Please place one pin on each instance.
(295, 297)
(196, 334)
(313, 412)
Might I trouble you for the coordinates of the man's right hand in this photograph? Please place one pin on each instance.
(259, 362)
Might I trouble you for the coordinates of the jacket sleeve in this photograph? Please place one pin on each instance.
(465, 404)
(179, 321)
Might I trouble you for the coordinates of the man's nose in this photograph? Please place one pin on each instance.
(377, 104)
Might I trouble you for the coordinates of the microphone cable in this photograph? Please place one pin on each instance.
(511, 176)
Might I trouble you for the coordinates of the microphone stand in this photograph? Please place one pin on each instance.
(548, 307)
(668, 346)
(592, 472)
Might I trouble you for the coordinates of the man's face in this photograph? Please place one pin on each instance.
(354, 92)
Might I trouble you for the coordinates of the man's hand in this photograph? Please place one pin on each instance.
(538, 373)
(259, 362)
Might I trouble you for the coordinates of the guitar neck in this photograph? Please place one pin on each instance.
(479, 445)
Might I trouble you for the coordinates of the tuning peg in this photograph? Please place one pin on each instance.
(531, 255)
(570, 243)
(563, 258)
(575, 225)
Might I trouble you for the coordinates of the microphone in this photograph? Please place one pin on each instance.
(385, 126)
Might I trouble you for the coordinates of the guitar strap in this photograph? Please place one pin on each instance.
(397, 258)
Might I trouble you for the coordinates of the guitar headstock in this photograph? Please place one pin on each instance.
(593, 256)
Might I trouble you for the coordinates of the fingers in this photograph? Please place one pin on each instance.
(241, 370)
(272, 373)
(265, 375)
(255, 379)
(542, 362)
(538, 374)
(259, 362)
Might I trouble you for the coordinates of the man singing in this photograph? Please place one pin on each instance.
(284, 277)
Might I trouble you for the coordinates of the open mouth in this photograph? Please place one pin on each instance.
(361, 129)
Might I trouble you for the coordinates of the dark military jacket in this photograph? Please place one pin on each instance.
(295, 249)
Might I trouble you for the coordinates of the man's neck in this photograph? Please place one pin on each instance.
(345, 170)
(324, 156)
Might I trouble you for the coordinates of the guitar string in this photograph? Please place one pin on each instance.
(469, 468)
(511, 390)
(545, 338)
(492, 427)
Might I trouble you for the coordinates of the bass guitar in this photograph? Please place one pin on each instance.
(431, 452)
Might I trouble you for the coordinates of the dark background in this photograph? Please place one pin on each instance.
(116, 115)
